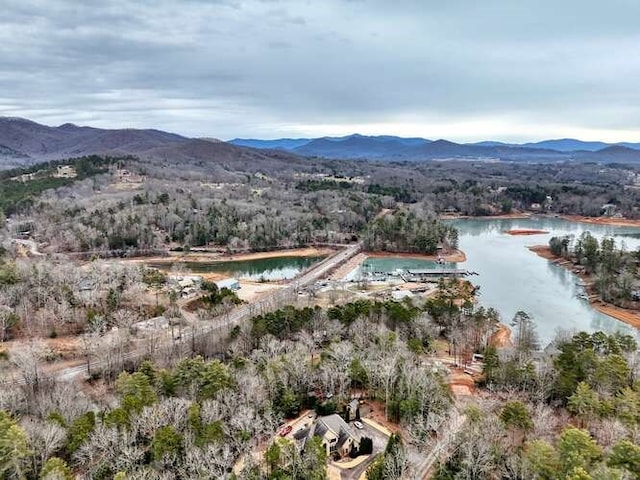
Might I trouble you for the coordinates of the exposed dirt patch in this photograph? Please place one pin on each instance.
(630, 317)
(517, 231)
(252, 291)
(222, 257)
(297, 252)
(501, 338)
(375, 411)
(543, 251)
(456, 256)
(345, 269)
(515, 215)
(619, 222)
(462, 384)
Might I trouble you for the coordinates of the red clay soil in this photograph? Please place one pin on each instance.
(517, 215)
(516, 231)
(630, 317)
(543, 251)
(376, 413)
(462, 384)
(619, 222)
(457, 256)
(501, 338)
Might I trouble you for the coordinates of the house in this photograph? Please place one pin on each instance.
(187, 285)
(608, 209)
(186, 281)
(336, 435)
(230, 283)
(352, 410)
(65, 171)
(125, 176)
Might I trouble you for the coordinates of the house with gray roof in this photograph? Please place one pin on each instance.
(335, 434)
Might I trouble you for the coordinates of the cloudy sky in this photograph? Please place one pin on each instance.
(459, 69)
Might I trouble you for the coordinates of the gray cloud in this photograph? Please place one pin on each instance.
(457, 68)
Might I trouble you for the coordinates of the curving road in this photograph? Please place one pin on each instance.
(226, 322)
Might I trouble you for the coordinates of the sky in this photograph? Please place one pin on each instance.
(465, 70)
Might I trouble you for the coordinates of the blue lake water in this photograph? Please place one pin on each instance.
(513, 278)
(264, 269)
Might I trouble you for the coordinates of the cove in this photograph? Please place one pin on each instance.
(265, 269)
(512, 278)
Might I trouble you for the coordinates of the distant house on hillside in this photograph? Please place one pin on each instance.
(125, 176)
(65, 171)
(608, 209)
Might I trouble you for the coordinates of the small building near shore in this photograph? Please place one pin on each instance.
(230, 283)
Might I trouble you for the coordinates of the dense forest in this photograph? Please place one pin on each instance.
(170, 208)
(198, 403)
(571, 413)
(612, 268)
(405, 231)
(196, 418)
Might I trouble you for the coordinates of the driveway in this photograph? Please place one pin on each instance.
(379, 443)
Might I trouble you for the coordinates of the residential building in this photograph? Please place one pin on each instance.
(65, 171)
(336, 435)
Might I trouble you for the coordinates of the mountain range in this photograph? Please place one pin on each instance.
(399, 148)
(24, 142)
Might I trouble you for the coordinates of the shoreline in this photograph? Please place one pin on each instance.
(625, 315)
(454, 256)
(201, 257)
(519, 231)
(614, 222)
(515, 216)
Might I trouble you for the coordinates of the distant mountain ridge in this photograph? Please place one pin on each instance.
(24, 142)
(33, 140)
(560, 145)
(387, 147)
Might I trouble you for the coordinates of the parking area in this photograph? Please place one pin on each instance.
(353, 469)
(347, 468)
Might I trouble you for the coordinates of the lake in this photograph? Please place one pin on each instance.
(265, 269)
(512, 278)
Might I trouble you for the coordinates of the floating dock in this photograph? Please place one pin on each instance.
(417, 275)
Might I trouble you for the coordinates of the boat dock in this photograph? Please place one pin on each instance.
(417, 275)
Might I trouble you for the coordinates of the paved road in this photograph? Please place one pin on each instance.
(441, 449)
(226, 322)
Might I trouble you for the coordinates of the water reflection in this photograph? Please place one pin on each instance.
(513, 278)
(269, 269)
